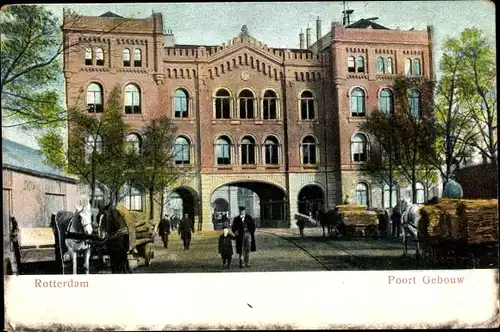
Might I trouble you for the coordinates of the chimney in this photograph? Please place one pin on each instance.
(301, 40)
(308, 38)
(169, 39)
(318, 34)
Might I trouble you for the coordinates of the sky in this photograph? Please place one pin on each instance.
(278, 24)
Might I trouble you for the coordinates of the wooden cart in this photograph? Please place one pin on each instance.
(357, 220)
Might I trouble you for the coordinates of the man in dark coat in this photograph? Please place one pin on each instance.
(175, 222)
(226, 246)
(164, 230)
(397, 213)
(185, 229)
(244, 228)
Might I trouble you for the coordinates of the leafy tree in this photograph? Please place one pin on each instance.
(154, 168)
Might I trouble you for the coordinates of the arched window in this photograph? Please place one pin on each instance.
(94, 98)
(357, 102)
(307, 106)
(222, 104)
(126, 57)
(246, 104)
(247, 151)
(133, 143)
(359, 148)
(181, 103)
(420, 192)
(137, 58)
(388, 65)
(408, 67)
(181, 151)
(99, 57)
(131, 198)
(380, 65)
(269, 107)
(387, 196)
(271, 149)
(308, 150)
(351, 65)
(361, 64)
(223, 151)
(386, 102)
(93, 145)
(414, 103)
(362, 194)
(88, 56)
(416, 67)
(132, 99)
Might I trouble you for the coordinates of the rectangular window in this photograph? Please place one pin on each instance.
(351, 66)
(222, 108)
(361, 197)
(269, 109)
(271, 154)
(246, 108)
(180, 106)
(307, 109)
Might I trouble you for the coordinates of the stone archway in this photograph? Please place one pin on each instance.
(181, 201)
(310, 199)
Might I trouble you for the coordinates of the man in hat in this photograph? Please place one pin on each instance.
(226, 246)
(244, 228)
(185, 229)
(164, 230)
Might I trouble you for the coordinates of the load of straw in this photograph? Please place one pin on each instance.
(479, 218)
(351, 207)
(360, 217)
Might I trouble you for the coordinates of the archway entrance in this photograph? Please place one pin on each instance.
(266, 203)
(311, 199)
(181, 201)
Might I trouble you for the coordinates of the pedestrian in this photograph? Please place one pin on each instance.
(301, 224)
(225, 219)
(397, 213)
(226, 246)
(175, 222)
(244, 228)
(164, 230)
(185, 229)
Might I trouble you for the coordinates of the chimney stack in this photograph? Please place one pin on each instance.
(169, 39)
(301, 40)
(318, 34)
(308, 38)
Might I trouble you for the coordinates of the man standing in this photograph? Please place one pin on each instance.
(244, 228)
(397, 213)
(185, 229)
(164, 230)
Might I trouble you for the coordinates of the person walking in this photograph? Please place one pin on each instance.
(185, 229)
(175, 222)
(164, 230)
(244, 229)
(226, 246)
(301, 223)
(397, 213)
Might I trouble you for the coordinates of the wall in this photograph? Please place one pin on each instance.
(479, 181)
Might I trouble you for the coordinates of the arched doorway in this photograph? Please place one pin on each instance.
(311, 199)
(181, 201)
(265, 202)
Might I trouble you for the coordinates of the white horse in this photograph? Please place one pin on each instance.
(410, 219)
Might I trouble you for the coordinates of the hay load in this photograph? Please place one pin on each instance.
(351, 207)
(138, 225)
(479, 218)
(360, 217)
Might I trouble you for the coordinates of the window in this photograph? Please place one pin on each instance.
(88, 56)
(307, 106)
(132, 198)
(126, 57)
(380, 65)
(414, 103)
(357, 102)
(387, 197)
(359, 148)
(351, 66)
(361, 64)
(222, 104)
(362, 194)
(271, 150)
(420, 191)
(386, 102)
(132, 100)
(137, 58)
(247, 151)
(408, 67)
(309, 150)
(181, 103)
(93, 144)
(94, 98)
(99, 57)
(416, 67)
(388, 65)
(223, 151)
(181, 151)
(269, 107)
(246, 104)
(133, 143)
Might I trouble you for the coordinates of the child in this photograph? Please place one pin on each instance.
(226, 246)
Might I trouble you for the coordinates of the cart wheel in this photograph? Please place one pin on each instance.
(148, 253)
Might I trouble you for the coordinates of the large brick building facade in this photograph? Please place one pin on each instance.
(282, 123)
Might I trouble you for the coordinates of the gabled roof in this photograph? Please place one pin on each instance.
(111, 14)
(24, 159)
(366, 24)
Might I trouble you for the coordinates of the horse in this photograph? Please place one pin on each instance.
(113, 228)
(330, 220)
(74, 228)
(410, 219)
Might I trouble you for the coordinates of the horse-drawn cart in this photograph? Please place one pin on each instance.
(357, 219)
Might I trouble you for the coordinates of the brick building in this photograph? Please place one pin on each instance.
(279, 123)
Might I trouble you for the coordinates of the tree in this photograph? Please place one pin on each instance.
(154, 169)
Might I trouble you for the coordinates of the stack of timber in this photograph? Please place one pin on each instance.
(139, 228)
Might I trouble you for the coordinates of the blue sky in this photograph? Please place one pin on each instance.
(278, 24)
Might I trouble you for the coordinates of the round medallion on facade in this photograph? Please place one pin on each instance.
(245, 75)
